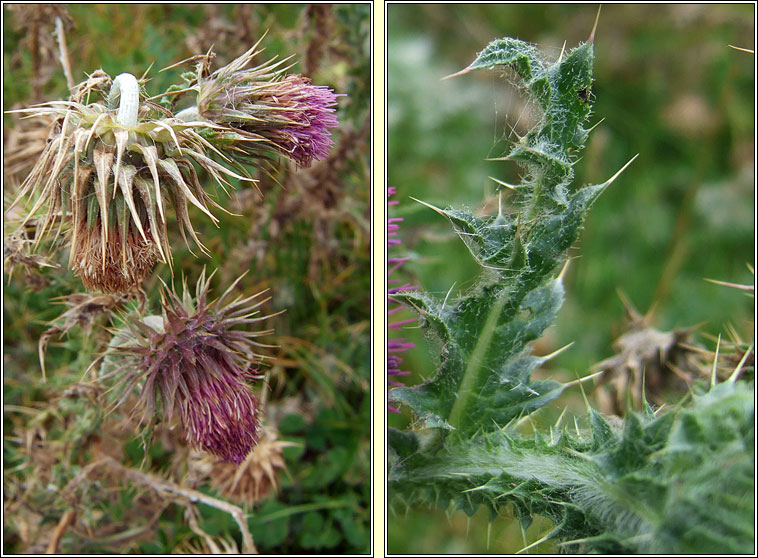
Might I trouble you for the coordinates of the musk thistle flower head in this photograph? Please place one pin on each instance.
(195, 361)
(108, 175)
(265, 109)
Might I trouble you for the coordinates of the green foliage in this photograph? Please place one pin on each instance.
(480, 333)
(676, 481)
(667, 86)
(679, 482)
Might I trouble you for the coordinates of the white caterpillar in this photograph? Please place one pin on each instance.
(126, 87)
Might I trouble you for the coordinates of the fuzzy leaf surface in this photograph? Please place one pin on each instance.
(639, 488)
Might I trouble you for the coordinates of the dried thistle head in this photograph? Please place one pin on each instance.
(197, 363)
(266, 109)
(107, 176)
(647, 364)
(256, 477)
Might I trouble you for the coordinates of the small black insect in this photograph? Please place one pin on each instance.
(584, 94)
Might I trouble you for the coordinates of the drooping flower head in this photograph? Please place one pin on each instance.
(196, 361)
(108, 175)
(395, 345)
(269, 110)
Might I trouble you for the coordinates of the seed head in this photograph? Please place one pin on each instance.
(257, 477)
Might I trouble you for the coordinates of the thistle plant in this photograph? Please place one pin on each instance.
(155, 366)
(637, 485)
(256, 478)
(108, 175)
(267, 109)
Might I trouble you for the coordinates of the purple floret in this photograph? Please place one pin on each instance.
(397, 345)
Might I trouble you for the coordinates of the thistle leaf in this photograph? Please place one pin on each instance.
(481, 333)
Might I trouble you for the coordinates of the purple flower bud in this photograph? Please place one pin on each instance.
(218, 411)
(311, 113)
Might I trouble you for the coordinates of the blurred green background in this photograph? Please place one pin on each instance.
(668, 87)
(306, 239)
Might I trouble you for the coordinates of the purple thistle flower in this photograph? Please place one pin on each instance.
(262, 109)
(219, 413)
(197, 364)
(310, 111)
(395, 345)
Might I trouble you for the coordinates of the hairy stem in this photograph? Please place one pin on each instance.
(474, 370)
